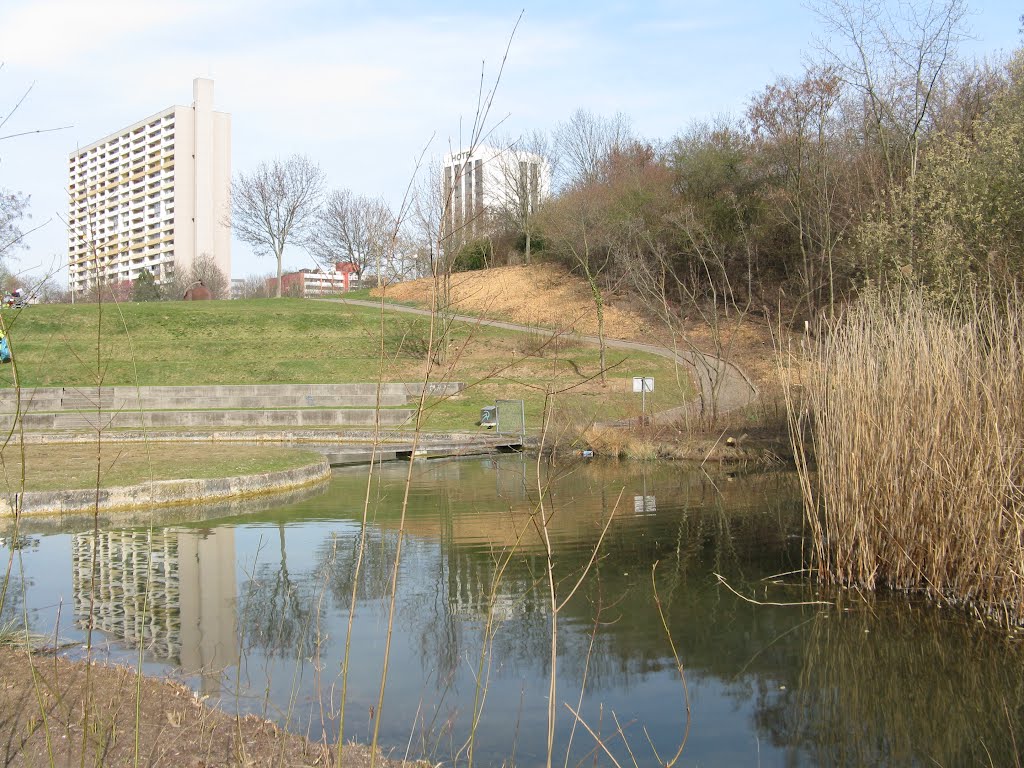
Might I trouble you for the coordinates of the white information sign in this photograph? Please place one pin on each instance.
(643, 383)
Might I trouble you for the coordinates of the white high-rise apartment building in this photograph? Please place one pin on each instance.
(485, 181)
(152, 197)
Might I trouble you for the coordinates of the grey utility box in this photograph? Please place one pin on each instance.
(488, 416)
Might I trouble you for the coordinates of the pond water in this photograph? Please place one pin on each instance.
(253, 609)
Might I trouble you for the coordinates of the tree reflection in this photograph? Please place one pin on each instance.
(704, 536)
(277, 610)
(13, 585)
(335, 565)
(824, 686)
(12, 589)
(894, 684)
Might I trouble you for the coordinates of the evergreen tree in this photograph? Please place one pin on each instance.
(144, 288)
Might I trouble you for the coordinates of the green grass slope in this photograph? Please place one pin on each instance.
(53, 467)
(279, 341)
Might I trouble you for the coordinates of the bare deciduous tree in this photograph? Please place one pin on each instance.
(13, 208)
(203, 270)
(804, 147)
(13, 205)
(276, 205)
(255, 287)
(431, 209)
(585, 141)
(894, 54)
(524, 169)
(357, 229)
(48, 291)
(577, 231)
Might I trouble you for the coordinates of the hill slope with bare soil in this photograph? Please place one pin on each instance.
(543, 294)
(550, 296)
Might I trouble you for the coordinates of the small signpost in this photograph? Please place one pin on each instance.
(643, 385)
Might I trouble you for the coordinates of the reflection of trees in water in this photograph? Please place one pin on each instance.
(440, 634)
(277, 611)
(12, 584)
(702, 535)
(424, 613)
(447, 591)
(281, 610)
(335, 565)
(18, 543)
(899, 685)
(850, 696)
(12, 604)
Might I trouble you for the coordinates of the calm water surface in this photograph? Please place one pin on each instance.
(253, 609)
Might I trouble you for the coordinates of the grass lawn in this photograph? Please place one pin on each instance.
(279, 341)
(70, 466)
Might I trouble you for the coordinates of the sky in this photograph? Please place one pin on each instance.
(369, 89)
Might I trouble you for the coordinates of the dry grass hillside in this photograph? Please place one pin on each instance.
(544, 295)
(548, 295)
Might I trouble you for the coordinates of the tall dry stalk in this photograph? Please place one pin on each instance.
(436, 355)
(915, 419)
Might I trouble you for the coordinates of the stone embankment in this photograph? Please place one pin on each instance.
(162, 493)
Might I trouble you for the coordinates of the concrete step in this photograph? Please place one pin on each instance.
(74, 399)
(306, 418)
(237, 402)
(262, 396)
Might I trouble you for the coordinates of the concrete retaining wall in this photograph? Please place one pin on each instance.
(209, 419)
(257, 396)
(352, 417)
(162, 493)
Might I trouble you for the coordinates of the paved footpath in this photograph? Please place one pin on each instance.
(720, 381)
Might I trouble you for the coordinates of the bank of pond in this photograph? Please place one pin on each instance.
(647, 563)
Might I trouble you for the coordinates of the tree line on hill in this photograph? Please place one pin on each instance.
(886, 160)
(889, 159)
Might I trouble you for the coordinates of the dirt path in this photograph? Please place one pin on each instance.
(721, 383)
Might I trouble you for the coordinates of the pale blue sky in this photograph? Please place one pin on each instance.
(363, 87)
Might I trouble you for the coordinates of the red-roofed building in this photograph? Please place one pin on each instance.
(317, 282)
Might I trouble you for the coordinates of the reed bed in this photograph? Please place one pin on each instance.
(915, 416)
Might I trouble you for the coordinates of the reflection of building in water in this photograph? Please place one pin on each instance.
(172, 591)
(511, 479)
(470, 578)
(645, 505)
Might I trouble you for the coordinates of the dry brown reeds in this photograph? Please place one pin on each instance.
(607, 441)
(916, 420)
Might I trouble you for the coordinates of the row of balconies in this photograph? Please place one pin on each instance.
(139, 209)
(138, 223)
(160, 130)
(82, 199)
(91, 171)
(118, 175)
(122, 267)
(142, 256)
(156, 239)
(109, 237)
(148, 235)
(126, 165)
(119, 194)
